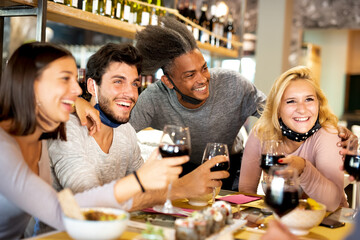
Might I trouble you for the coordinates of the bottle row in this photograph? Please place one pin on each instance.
(135, 13)
(124, 10)
(215, 23)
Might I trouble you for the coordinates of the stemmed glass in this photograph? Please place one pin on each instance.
(282, 191)
(271, 152)
(216, 149)
(352, 166)
(174, 142)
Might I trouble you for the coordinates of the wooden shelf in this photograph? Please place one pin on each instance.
(86, 20)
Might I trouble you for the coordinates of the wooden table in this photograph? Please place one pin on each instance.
(318, 232)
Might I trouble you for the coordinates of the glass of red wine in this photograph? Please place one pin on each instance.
(174, 142)
(352, 166)
(271, 152)
(282, 190)
(216, 149)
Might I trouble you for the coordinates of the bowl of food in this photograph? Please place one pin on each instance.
(307, 215)
(203, 200)
(100, 223)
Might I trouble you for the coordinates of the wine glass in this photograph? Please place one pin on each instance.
(271, 152)
(282, 190)
(352, 166)
(216, 149)
(174, 142)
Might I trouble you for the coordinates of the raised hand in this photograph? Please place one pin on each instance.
(88, 115)
(157, 174)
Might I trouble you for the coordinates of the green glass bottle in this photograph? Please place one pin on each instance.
(101, 7)
(118, 9)
(145, 13)
(67, 3)
(87, 5)
(126, 11)
(95, 5)
(109, 8)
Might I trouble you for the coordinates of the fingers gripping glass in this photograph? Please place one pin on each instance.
(271, 152)
(174, 142)
(213, 150)
(352, 166)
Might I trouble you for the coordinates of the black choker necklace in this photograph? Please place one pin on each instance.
(298, 137)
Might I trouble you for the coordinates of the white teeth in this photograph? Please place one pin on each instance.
(301, 119)
(66, 101)
(124, 104)
(201, 89)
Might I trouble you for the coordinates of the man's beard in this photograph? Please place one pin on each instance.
(104, 105)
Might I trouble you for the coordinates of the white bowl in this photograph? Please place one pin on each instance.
(94, 230)
(300, 221)
(203, 200)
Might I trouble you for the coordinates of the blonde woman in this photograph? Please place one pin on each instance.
(297, 112)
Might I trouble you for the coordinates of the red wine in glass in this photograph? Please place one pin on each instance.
(167, 150)
(267, 161)
(223, 166)
(352, 165)
(281, 202)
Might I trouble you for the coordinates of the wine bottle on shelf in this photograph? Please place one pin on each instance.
(118, 9)
(154, 14)
(180, 8)
(67, 3)
(126, 11)
(109, 8)
(87, 5)
(204, 22)
(159, 3)
(220, 31)
(74, 3)
(101, 7)
(213, 24)
(192, 17)
(144, 13)
(229, 31)
(95, 5)
(133, 12)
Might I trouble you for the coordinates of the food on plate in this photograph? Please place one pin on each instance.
(94, 215)
(310, 204)
(202, 224)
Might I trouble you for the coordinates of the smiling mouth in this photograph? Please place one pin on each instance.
(303, 119)
(68, 102)
(124, 104)
(200, 89)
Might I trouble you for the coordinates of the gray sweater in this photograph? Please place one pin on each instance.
(232, 100)
(80, 164)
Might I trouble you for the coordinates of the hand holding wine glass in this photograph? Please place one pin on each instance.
(352, 165)
(217, 149)
(271, 152)
(282, 190)
(174, 142)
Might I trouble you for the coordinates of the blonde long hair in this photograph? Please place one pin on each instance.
(264, 130)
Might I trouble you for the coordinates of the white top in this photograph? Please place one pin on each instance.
(24, 194)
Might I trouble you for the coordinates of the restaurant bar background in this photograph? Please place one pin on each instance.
(275, 35)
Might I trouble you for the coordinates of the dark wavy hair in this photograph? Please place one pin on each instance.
(17, 97)
(112, 52)
(160, 45)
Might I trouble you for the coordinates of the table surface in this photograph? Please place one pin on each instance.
(318, 232)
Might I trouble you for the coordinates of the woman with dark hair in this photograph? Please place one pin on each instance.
(37, 94)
